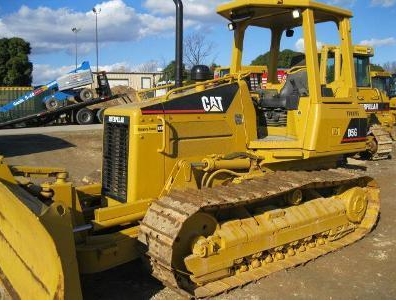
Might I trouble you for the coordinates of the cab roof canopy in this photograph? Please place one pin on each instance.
(277, 13)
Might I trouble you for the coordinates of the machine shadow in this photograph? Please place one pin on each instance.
(130, 281)
(17, 145)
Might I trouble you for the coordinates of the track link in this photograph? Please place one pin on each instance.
(383, 142)
(162, 224)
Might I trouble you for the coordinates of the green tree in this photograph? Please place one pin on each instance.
(15, 68)
(213, 66)
(284, 60)
(4, 57)
(169, 72)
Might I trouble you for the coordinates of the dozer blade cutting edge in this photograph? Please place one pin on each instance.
(37, 249)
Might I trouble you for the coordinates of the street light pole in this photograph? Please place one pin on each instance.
(96, 12)
(76, 30)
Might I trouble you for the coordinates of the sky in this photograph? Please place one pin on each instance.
(135, 34)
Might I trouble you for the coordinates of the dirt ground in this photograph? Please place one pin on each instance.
(364, 270)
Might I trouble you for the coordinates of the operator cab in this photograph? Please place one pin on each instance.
(392, 86)
(284, 111)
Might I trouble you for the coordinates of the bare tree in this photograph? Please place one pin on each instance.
(197, 49)
(120, 68)
(390, 66)
(150, 66)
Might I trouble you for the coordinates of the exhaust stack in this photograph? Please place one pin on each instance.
(179, 43)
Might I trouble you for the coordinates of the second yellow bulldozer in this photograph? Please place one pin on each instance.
(217, 185)
(386, 83)
(371, 94)
(392, 95)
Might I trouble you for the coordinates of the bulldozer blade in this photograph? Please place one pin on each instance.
(37, 249)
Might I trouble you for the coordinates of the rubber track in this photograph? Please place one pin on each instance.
(162, 223)
(384, 142)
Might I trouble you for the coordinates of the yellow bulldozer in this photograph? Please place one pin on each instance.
(372, 94)
(392, 94)
(382, 81)
(386, 82)
(215, 185)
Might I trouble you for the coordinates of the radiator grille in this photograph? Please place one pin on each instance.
(115, 158)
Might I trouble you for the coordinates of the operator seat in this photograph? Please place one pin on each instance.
(296, 82)
(296, 85)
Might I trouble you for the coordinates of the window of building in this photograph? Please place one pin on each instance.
(146, 82)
